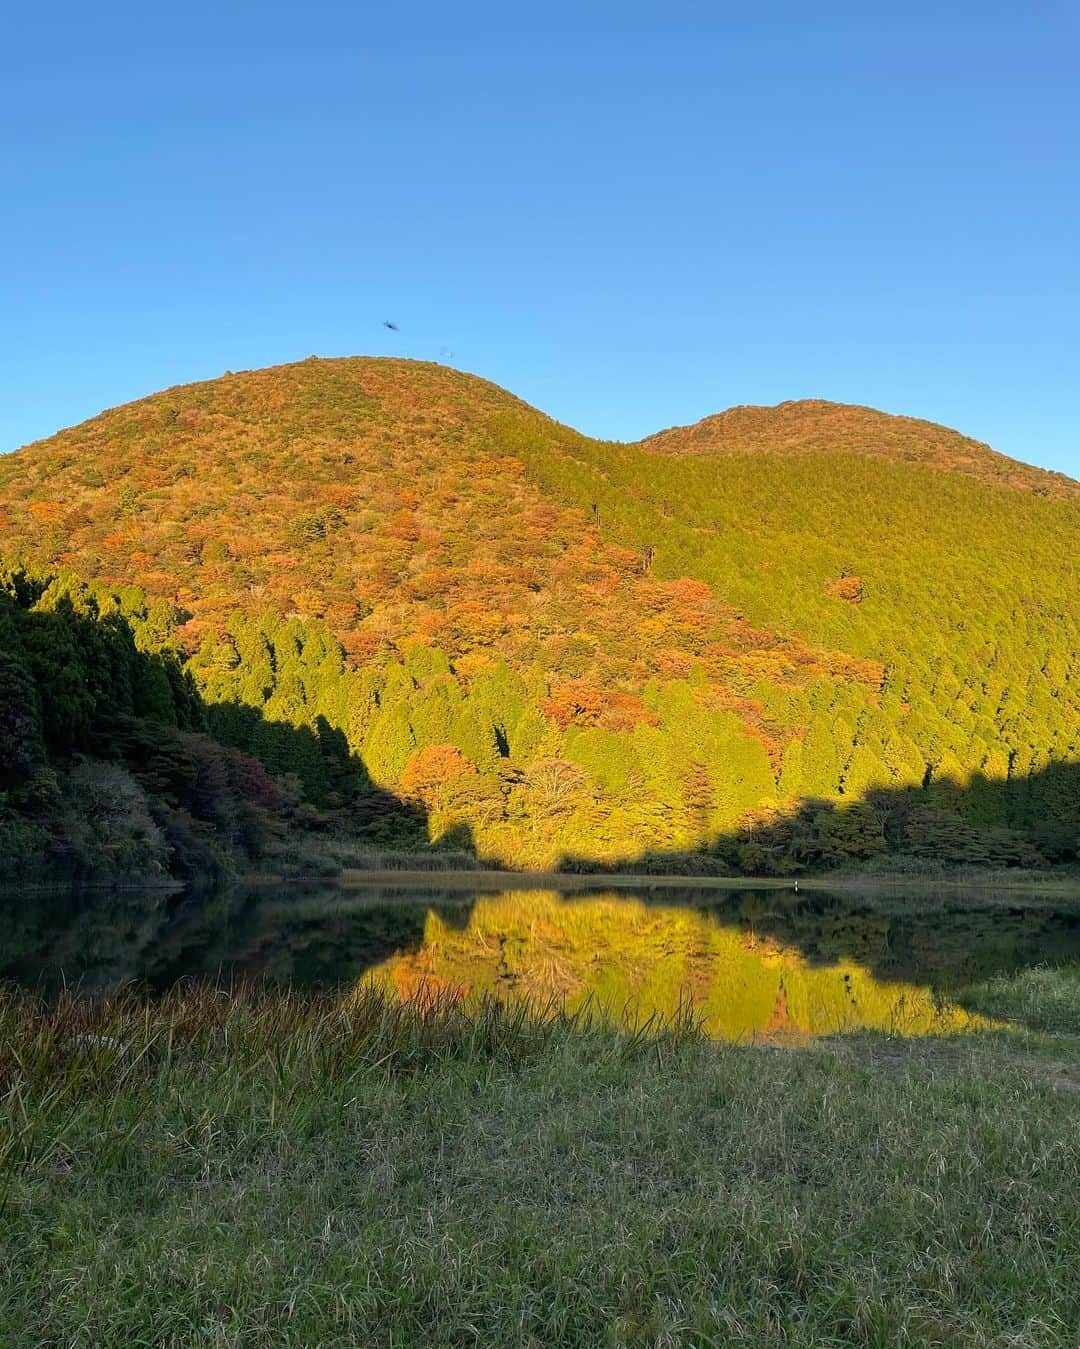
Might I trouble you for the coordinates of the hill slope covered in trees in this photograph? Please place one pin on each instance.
(812, 425)
(788, 636)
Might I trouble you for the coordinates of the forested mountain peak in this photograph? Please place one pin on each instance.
(815, 425)
(299, 403)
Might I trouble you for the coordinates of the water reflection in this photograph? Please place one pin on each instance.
(635, 959)
(755, 963)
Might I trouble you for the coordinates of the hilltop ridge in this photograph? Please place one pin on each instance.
(815, 425)
(440, 397)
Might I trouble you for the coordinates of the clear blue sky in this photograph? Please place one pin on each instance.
(629, 214)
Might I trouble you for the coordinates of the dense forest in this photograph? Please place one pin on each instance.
(396, 607)
(114, 766)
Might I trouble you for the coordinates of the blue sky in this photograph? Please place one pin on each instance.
(631, 215)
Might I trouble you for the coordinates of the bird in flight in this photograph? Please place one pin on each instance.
(392, 326)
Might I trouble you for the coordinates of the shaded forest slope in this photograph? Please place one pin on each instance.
(112, 766)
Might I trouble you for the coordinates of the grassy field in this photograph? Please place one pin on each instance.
(274, 1169)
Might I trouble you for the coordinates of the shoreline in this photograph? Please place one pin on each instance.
(1031, 883)
(828, 882)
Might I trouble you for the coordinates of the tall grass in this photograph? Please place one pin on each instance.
(1041, 998)
(93, 1067)
(347, 852)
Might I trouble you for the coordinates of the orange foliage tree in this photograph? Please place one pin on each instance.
(430, 769)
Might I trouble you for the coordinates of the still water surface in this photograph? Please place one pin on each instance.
(754, 963)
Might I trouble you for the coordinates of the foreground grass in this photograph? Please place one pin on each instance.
(267, 1168)
(1041, 998)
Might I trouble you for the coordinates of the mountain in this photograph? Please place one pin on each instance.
(783, 636)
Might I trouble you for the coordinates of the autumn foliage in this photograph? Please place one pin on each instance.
(427, 771)
(456, 593)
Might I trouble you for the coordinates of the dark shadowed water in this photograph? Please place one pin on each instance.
(752, 962)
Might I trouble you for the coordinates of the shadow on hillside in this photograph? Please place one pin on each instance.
(73, 681)
(113, 766)
(1030, 822)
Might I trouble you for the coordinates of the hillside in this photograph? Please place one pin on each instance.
(812, 425)
(554, 647)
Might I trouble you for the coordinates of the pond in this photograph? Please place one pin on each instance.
(753, 963)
